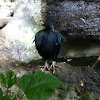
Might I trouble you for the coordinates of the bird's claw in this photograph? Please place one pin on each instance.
(54, 71)
(48, 69)
(42, 70)
(45, 67)
(52, 67)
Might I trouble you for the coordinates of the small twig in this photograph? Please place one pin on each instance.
(7, 91)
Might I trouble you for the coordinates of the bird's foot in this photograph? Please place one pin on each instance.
(45, 67)
(53, 67)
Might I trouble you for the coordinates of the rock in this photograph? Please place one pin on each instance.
(72, 92)
(79, 47)
(20, 31)
(4, 21)
(7, 0)
(70, 18)
(6, 9)
(80, 83)
(9, 63)
(75, 18)
(6, 12)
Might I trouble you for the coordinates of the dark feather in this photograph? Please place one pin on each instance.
(48, 43)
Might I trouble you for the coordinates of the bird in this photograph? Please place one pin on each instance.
(48, 42)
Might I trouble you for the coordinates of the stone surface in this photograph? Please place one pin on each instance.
(21, 30)
(75, 18)
(80, 82)
(6, 12)
(4, 21)
(6, 9)
(70, 18)
(7, 1)
(79, 47)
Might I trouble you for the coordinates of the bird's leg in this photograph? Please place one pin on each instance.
(45, 66)
(53, 66)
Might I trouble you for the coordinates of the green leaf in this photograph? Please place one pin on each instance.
(6, 98)
(39, 86)
(1, 93)
(8, 79)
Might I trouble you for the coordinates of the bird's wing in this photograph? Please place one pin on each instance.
(38, 38)
(61, 37)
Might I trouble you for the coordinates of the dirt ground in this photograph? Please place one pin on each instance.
(80, 75)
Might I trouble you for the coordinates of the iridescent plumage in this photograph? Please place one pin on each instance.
(48, 42)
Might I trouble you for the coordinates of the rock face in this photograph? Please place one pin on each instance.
(79, 22)
(4, 21)
(79, 83)
(6, 12)
(74, 17)
(79, 47)
(21, 30)
(7, 0)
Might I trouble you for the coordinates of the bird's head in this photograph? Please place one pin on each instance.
(49, 25)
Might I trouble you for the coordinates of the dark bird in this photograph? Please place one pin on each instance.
(48, 42)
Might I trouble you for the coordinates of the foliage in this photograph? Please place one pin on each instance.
(6, 97)
(37, 86)
(1, 93)
(8, 79)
